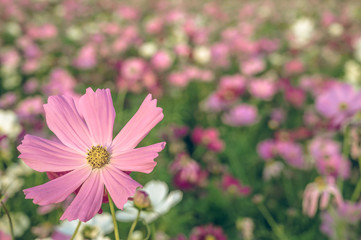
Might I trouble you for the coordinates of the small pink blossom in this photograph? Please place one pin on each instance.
(161, 60)
(323, 189)
(233, 186)
(208, 232)
(209, 138)
(252, 66)
(262, 88)
(241, 115)
(86, 57)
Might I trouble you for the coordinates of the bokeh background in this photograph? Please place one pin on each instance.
(260, 99)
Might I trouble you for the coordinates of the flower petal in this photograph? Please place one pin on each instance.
(66, 123)
(172, 199)
(157, 191)
(59, 189)
(43, 155)
(147, 116)
(138, 159)
(119, 185)
(99, 114)
(88, 201)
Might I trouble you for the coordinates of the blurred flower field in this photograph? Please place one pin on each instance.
(254, 110)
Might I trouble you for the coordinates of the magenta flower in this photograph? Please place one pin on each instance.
(208, 232)
(234, 186)
(88, 154)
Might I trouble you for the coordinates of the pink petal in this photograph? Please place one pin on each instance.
(325, 198)
(59, 189)
(312, 208)
(138, 159)
(99, 114)
(43, 155)
(66, 123)
(119, 185)
(88, 201)
(147, 116)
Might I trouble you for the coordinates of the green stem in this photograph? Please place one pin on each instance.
(10, 222)
(133, 226)
(275, 228)
(111, 205)
(357, 190)
(148, 230)
(76, 231)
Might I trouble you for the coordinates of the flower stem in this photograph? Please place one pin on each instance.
(148, 230)
(275, 228)
(111, 205)
(357, 191)
(133, 226)
(76, 230)
(10, 222)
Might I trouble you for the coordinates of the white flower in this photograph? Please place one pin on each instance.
(148, 49)
(95, 228)
(302, 30)
(357, 46)
(161, 203)
(202, 54)
(9, 124)
(272, 170)
(352, 73)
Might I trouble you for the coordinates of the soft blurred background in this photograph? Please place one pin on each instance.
(261, 102)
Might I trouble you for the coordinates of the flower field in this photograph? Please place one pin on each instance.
(180, 120)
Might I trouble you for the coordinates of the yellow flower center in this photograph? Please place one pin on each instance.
(210, 237)
(98, 156)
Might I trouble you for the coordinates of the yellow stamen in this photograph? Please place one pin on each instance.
(98, 156)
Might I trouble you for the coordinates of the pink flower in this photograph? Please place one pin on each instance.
(234, 186)
(323, 188)
(291, 152)
(208, 232)
(86, 152)
(253, 66)
(86, 57)
(61, 82)
(231, 87)
(338, 103)
(262, 88)
(209, 138)
(267, 149)
(328, 157)
(161, 60)
(187, 173)
(241, 115)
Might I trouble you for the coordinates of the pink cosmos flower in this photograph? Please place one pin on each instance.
(233, 186)
(320, 187)
(86, 57)
(253, 66)
(267, 149)
(209, 138)
(161, 60)
(338, 103)
(86, 152)
(208, 232)
(187, 172)
(262, 88)
(241, 115)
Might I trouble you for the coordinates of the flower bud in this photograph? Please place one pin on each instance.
(141, 200)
